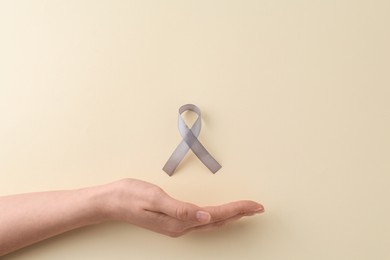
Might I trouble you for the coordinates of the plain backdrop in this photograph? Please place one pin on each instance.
(295, 102)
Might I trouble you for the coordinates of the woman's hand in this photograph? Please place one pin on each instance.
(28, 218)
(148, 206)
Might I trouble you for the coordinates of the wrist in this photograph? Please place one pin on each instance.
(98, 198)
(106, 200)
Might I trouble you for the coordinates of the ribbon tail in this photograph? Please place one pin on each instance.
(175, 158)
(201, 152)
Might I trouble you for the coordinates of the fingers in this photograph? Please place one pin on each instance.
(215, 225)
(243, 207)
(219, 224)
(177, 217)
(189, 212)
(167, 225)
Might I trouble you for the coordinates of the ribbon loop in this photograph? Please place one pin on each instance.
(190, 141)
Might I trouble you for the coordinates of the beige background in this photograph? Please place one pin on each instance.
(295, 101)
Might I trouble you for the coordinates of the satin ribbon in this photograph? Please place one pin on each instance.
(190, 141)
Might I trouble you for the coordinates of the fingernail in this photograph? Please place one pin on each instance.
(259, 210)
(203, 216)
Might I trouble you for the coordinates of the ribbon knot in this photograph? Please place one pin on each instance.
(190, 141)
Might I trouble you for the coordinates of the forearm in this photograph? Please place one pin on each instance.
(29, 218)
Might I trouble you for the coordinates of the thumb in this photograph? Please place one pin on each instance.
(184, 211)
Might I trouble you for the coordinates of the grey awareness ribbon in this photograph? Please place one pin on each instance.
(190, 141)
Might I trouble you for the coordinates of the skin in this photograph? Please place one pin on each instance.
(29, 218)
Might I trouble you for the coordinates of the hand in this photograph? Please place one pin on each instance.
(148, 206)
(41, 215)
